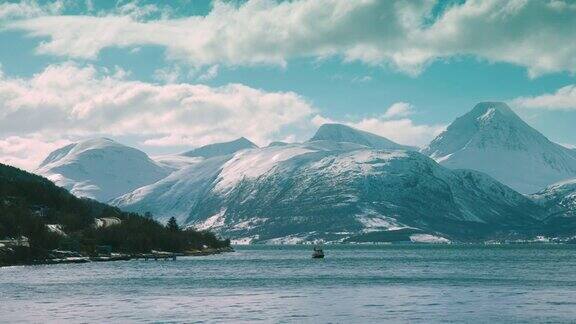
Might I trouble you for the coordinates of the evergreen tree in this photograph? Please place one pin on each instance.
(172, 225)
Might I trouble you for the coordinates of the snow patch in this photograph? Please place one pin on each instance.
(244, 240)
(289, 239)
(427, 238)
(211, 222)
(249, 224)
(175, 162)
(487, 115)
(373, 221)
(56, 228)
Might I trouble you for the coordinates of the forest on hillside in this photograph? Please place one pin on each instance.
(32, 206)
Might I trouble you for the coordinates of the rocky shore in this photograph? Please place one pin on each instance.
(14, 257)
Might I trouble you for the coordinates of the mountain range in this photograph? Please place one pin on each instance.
(472, 183)
(334, 191)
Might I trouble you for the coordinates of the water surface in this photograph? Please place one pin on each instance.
(396, 283)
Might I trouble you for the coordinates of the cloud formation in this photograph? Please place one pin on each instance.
(393, 125)
(67, 102)
(399, 109)
(70, 101)
(28, 9)
(27, 151)
(563, 99)
(406, 35)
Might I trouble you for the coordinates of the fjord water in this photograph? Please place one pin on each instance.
(396, 283)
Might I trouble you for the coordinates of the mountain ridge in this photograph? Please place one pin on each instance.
(218, 149)
(343, 133)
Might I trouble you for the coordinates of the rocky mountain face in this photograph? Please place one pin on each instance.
(493, 139)
(100, 169)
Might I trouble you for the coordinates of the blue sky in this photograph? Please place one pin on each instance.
(168, 76)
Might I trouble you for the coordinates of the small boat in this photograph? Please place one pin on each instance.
(318, 253)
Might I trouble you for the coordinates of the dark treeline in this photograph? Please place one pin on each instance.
(29, 202)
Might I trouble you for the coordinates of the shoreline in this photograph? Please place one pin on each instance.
(159, 255)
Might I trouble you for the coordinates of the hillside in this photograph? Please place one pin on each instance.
(50, 217)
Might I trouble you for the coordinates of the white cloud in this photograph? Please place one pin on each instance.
(563, 99)
(169, 74)
(403, 131)
(406, 35)
(28, 9)
(362, 79)
(399, 109)
(70, 101)
(27, 151)
(210, 73)
(138, 10)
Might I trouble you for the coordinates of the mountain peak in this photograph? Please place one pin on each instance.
(100, 168)
(218, 149)
(491, 138)
(243, 140)
(484, 107)
(343, 133)
(94, 143)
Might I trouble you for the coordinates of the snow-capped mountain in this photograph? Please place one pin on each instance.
(493, 139)
(334, 191)
(559, 203)
(343, 133)
(219, 149)
(100, 168)
(559, 199)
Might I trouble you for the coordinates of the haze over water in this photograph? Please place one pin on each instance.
(406, 283)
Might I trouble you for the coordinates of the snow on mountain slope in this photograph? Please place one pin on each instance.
(559, 198)
(559, 202)
(333, 191)
(173, 162)
(493, 139)
(343, 133)
(100, 168)
(278, 143)
(219, 149)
